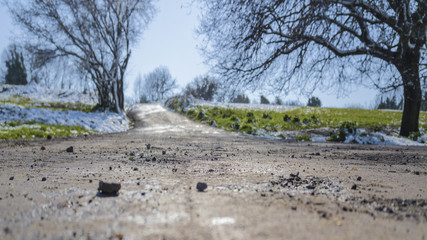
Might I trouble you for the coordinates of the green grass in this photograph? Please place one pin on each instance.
(251, 121)
(30, 130)
(28, 103)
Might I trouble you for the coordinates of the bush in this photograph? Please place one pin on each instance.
(266, 116)
(303, 138)
(345, 129)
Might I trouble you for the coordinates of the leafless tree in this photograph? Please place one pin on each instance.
(98, 34)
(320, 43)
(159, 84)
(140, 91)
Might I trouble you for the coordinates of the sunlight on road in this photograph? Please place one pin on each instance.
(153, 118)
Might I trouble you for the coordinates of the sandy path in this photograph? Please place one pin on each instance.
(341, 191)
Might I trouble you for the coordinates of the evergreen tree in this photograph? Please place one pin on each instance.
(241, 98)
(314, 102)
(424, 102)
(264, 100)
(390, 103)
(278, 101)
(15, 69)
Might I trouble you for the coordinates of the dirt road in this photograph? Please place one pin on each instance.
(257, 188)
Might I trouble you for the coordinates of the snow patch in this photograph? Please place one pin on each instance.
(40, 94)
(105, 122)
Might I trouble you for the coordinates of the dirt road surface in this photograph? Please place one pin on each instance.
(257, 188)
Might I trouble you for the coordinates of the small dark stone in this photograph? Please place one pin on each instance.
(11, 178)
(111, 168)
(44, 179)
(201, 186)
(354, 187)
(135, 169)
(263, 195)
(49, 137)
(359, 178)
(132, 154)
(417, 173)
(148, 146)
(164, 152)
(109, 188)
(70, 149)
(143, 194)
(154, 159)
(90, 180)
(43, 148)
(294, 208)
(311, 187)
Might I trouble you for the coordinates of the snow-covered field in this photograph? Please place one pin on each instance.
(104, 122)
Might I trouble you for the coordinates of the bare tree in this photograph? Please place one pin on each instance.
(98, 34)
(320, 43)
(159, 84)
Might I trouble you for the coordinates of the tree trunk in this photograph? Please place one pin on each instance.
(412, 98)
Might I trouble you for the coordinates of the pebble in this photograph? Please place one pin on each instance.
(148, 146)
(109, 188)
(70, 149)
(11, 178)
(44, 179)
(43, 148)
(354, 187)
(201, 186)
(359, 178)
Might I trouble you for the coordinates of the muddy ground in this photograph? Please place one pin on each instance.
(257, 188)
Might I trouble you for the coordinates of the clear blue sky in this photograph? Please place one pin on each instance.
(170, 40)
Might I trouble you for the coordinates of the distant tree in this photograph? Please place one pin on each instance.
(390, 103)
(15, 68)
(241, 98)
(293, 103)
(424, 102)
(283, 43)
(264, 100)
(202, 87)
(159, 84)
(98, 35)
(314, 102)
(139, 90)
(278, 101)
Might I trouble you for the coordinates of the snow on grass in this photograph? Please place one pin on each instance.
(40, 94)
(263, 107)
(99, 121)
(104, 122)
(380, 138)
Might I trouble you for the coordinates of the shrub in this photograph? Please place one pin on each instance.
(303, 138)
(345, 129)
